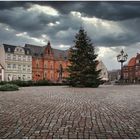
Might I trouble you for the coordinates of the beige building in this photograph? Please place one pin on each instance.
(17, 62)
(104, 72)
(1, 73)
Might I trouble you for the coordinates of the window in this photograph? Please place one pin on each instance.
(14, 57)
(24, 58)
(24, 67)
(51, 76)
(29, 68)
(27, 52)
(45, 66)
(48, 51)
(19, 57)
(14, 66)
(37, 64)
(8, 56)
(9, 50)
(51, 66)
(8, 66)
(23, 77)
(19, 67)
(29, 58)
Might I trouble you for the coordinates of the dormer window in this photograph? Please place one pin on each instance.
(9, 49)
(27, 52)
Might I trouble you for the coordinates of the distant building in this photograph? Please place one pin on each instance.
(17, 62)
(131, 72)
(104, 72)
(48, 63)
(114, 75)
(35, 63)
(1, 73)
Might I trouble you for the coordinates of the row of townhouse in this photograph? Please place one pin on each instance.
(35, 63)
(16, 61)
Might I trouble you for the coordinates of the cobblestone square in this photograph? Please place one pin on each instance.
(63, 112)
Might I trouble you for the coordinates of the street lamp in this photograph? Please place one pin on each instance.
(122, 57)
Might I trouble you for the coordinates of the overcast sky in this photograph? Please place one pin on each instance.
(110, 25)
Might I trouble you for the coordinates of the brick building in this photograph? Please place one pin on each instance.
(131, 72)
(48, 63)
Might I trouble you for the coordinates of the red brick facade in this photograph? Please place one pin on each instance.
(48, 63)
(131, 72)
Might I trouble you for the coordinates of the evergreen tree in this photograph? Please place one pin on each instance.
(83, 63)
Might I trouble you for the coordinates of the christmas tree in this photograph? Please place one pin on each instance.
(83, 63)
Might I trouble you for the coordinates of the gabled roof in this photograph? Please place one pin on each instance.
(35, 50)
(12, 49)
(60, 53)
(38, 51)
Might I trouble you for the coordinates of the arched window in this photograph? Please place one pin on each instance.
(49, 52)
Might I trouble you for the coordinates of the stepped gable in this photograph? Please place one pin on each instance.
(38, 51)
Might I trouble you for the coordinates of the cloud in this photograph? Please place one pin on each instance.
(39, 19)
(43, 9)
(110, 25)
(105, 10)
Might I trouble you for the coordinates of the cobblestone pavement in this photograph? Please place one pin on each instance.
(63, 112)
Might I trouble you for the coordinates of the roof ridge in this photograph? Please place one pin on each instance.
(33, 45)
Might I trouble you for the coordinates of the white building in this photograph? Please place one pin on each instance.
(104, 72)
(1, 73)
(17, 62)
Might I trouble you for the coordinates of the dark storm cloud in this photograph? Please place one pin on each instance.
(110, 25)
(22, 20)
(10, 4)
(125, 14)
(106, 10)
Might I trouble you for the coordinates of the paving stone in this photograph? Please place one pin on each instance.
(62, 112)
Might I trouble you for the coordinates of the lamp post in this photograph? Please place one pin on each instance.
(122, 57)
